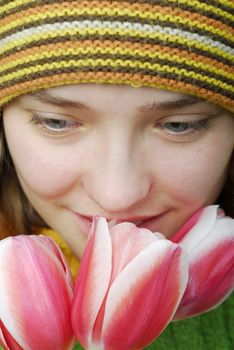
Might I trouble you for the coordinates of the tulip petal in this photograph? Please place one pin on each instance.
(8, 341)
(144, 297)
(200, 241)
(50, 246)
(207, 289)
(127, 242)
(211, 264)
(2, 340)
(200, 222)
(35, 290)
(92, 282)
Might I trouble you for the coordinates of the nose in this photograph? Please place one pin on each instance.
(118, 180)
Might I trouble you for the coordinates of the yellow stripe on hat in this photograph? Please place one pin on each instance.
(54, 51)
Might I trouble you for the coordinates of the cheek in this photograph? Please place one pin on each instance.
(196, 174)
(44, 169)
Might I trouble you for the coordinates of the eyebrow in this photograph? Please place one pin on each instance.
(181, 102)
(46, 97)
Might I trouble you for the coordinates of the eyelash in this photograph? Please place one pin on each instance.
(190, 127)
(43, 124)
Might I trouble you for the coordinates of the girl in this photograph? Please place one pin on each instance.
(121, 109)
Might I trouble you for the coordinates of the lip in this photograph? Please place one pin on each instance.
(84, 222)
(151, 223)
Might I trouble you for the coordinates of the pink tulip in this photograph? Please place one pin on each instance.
(129, 286)
(36, 291)
(208, 238)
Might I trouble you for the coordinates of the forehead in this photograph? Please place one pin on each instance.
(97, 95)
(71, 91)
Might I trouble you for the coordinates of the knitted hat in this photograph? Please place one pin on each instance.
(178, 45)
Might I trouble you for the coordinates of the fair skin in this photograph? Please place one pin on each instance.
(142, 155)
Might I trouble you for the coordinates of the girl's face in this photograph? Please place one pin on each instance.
(142, 155)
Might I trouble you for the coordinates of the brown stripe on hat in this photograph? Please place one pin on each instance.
(177, 45)
(114, 78)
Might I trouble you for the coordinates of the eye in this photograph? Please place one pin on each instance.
(54, 126)
(183, 127)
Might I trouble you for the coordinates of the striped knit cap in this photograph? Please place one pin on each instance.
(178, 45)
